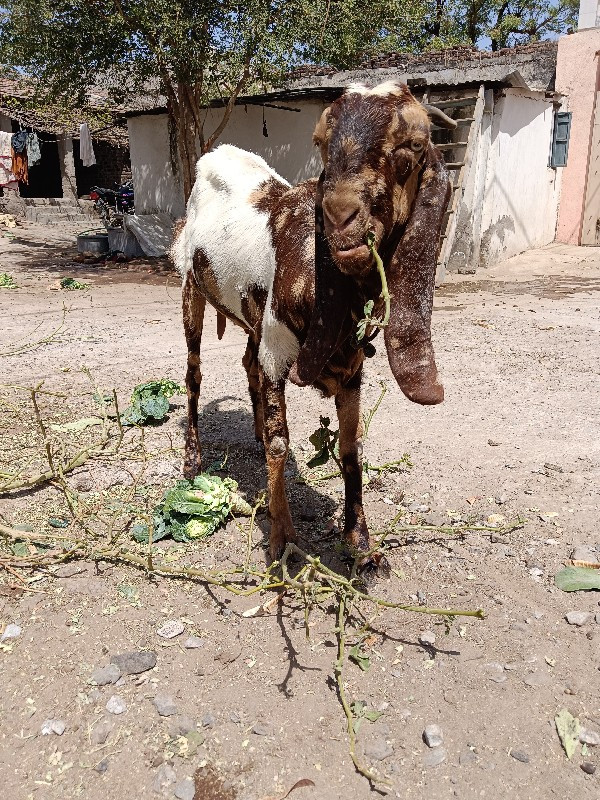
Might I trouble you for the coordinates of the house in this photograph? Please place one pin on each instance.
(59, 181)
(524, 159)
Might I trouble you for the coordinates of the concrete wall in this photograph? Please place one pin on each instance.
(588, 14)
(288, 149)
(521, 190)
(577, 78)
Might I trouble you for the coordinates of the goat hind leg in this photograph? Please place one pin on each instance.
(193, 318)
(276, 440)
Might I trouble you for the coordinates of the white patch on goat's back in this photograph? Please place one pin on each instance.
(223, 223)
(278, 345)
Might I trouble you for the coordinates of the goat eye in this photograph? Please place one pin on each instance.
(416, 146)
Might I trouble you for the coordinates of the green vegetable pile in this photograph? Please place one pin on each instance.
(72, 283)
(150, 402)
(7, 281)
(194, 509)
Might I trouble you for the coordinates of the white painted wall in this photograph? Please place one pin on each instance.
(288, 149)
(521, 190)
(588, 14)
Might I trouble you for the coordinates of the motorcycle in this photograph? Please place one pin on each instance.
(112, 204)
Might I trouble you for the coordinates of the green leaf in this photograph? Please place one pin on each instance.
(20, 549)
(58, 522)
(357, 655)
(567, 727)
(319, 438)
(72, 283)
(7, 281)
(575, 579)
(368, 309)
(373, 715)
(319, 460)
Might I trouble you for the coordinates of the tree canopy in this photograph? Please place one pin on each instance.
(192, 52)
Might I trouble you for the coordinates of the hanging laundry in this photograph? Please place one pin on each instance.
(8, 179)
(34, 153)
(86, 150)
(19, 165)
(19, 141)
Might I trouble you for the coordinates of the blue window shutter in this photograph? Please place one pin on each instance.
(560, 138)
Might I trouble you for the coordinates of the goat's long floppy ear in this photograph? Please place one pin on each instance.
(411, 278)
(331, 321)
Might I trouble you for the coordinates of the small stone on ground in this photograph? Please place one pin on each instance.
(171, 629)
(432, 758)
(135, 662)
(102, 676)
(433, 735)
(116, 705)
(519, 755)
(185, 789)
(378, 749)
(578, 618)
(56, 726)
(165, 705)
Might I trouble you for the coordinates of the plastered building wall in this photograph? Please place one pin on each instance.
(577, 79)
(521, 193)
(288, 149)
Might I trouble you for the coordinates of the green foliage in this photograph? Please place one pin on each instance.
(567, 727)
(324, 440)
(359, 657)
(360, 712)
(7, 281)
(576, 579)
(150, 402)
(70, 284)
(194, 509)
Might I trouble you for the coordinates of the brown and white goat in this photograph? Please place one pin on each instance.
(291, 267)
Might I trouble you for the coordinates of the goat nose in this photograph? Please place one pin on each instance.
(340, 212)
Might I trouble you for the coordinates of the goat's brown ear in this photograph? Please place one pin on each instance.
(322, 133)
(411, 279)
(331, 321)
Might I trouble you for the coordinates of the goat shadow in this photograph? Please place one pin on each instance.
(231, 431)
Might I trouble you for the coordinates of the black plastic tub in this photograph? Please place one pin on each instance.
(94, 244)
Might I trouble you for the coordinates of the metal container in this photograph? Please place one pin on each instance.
(92, 244)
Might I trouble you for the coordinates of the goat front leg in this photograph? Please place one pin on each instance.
(276, 441)
(250, 362)
(193, 318)
(356, 533)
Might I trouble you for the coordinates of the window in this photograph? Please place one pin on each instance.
(560, 138)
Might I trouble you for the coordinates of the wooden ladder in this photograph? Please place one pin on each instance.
(467, 138)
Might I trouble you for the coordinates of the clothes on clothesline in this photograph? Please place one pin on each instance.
(34, 153)
(19, 141)
(8, 179)
(19, 165)
(86, 150)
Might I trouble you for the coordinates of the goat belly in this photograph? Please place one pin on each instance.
(226, 240)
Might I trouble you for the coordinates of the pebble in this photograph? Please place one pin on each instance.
(229, 654)
(433, 758)
(495, 672)
(378, 748)
(536, 572)
(263, 729)
(584, 553)
(102, 766)
(51, 726)
(193, 643)
(433, 735)
(116, 705)
(419, 508)
(589, 737)
(165, 776)
(68, 570)
(208, 720)
(427, 638)
(519, 755)
(101, 731)
(135, 662)
(165, 705)
(578, 618)
(11, 631)
(171, 629)
(235, 717)
(536, 679)
(467, 757)
(102, 676)
(185, 789)
(588, 767)
(181, 726)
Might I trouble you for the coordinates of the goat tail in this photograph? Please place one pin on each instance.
(221, 323)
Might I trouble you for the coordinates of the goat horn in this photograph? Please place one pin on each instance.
(439, 116)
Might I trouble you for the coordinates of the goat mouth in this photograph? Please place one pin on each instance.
(352, 253)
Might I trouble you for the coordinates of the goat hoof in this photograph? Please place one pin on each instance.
(373, 567)
(278, 541)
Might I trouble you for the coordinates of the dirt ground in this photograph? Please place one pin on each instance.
(517, 436)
